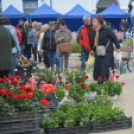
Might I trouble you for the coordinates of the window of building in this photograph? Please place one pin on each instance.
(30, 5)
(0, 7)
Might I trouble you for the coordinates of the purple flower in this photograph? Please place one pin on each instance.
(98, 99)
(94, 101)
(104, 102)
(85, 101)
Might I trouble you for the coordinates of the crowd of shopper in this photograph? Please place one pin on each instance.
(43, 41)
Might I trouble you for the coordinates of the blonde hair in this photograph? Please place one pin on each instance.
(35, 24)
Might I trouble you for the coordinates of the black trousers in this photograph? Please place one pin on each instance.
(28, 51)
(4, 73)
(46, 60)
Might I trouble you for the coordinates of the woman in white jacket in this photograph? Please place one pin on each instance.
(42, 53)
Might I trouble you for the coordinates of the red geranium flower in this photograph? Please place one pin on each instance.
(113, 71)
(11, 77)
(9, 94)
(51, 79)
(18, 77)
(84, 86)
(19, 96)
(1, 79)
(44, 102)
(99, 78)
(86, 77)
(117, 77)
(6, 80)
(3, 92)
(28, 95)
(79, 81)
(22, 92)
(22, 88)
(15, 83)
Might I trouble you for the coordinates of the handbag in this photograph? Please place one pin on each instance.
(66, 47)
(101, 50)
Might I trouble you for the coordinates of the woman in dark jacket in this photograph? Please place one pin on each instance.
(49, 45)
(7, 42)
(104, 36)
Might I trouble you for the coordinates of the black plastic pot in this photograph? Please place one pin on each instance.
(102, 127)
(73, 130)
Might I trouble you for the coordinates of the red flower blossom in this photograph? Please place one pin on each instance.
(84, 86)
(51, 79)
(22, 92)
(9, 94)
(79, 81)
(6, 80)
(3, 92)
(99, 78)
(22, 88)
(28, 95)
(15, 83)
(11, 77)
(1, 79)
(44, 102)
(19, 96)
(86, 77)
(18, 77)
(117, 77)
(113, 71)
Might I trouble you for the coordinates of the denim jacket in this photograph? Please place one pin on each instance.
(32, 37)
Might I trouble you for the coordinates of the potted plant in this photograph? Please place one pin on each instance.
(60, 93)
(67, 119)
(77, 92)
(92, 90)
(113, 88)
(17, 108)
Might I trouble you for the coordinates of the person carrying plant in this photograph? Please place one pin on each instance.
(85, 37)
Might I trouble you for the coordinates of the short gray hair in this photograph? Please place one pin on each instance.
(86, 17)
(45, 27)
(51, 24)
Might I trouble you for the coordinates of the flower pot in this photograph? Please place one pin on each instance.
(22, 122)
(102, 127)
(114, 98)
(90, 96)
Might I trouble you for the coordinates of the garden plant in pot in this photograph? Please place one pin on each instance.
(92, 90)
(17, 107)
(113, 88)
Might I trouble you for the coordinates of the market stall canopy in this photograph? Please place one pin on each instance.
(44, 11)
(113, 11)
(77, 13)
(11, 12)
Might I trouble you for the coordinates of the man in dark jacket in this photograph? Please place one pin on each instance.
(23, 40)
(124, 28)
(85, 37)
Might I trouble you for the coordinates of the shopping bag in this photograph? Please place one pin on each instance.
(90, 64)
(117, 61)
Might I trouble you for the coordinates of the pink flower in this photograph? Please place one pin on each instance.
(34, 82)
(111, 78)
(36, 78)
(49, 69)
(85, 71)
(122, 83)
(42, 82)
(30, 79)
(44, 86)
(61, 74)
(68, 84)
(58, 80)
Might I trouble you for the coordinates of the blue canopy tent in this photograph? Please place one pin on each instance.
(130, 21)
(13, 14)
(44, 14)
(114, 14)
(74, 18)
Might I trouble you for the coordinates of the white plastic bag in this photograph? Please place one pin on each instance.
(117, 61)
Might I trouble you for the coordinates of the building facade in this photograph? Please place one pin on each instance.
(63, 6)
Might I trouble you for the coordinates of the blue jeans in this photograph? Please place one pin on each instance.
(123, 35)
(22, 51)
(12, 71)
(84, 58)
(53, 57)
